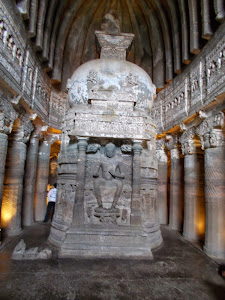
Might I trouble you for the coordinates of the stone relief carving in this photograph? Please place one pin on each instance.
(108, 173)
(65, 203)
(107, 185)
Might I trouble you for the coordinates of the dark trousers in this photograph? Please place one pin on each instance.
(51, 206)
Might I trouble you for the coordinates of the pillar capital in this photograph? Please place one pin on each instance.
(6, 122)
(211, 131)
(172, 141)
(48, 139)
(82, 143)
(214, 138)
(189, 141)
(137, 147)
(22, 129)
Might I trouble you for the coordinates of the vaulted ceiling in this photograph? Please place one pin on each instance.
(168, 33)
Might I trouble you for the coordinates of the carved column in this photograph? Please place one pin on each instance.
(3, 153)
(135, 205)
(213, 142)
(14, 173)
(7, 117)
(162, 182)
(78, 217)
(30, 180)
(176, 198)
(194, 205)
(40, 198)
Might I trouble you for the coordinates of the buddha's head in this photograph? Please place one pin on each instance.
(110, 150)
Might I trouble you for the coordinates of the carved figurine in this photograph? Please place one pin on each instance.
(108, 172)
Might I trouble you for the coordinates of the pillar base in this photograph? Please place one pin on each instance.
(216, 254)
(13, 232)
(190, 238)
(172, 227)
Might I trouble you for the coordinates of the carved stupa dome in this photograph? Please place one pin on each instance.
(112, 78)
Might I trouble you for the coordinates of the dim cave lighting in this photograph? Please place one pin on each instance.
(201, 226)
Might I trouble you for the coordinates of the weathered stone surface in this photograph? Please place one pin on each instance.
(19, 250)
(21, 253)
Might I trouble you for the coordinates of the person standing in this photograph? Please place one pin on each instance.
(51, 203)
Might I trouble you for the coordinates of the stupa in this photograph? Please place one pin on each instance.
(107, 185)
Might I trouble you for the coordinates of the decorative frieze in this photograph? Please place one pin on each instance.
(11, 46)
(215, 66)
(112, 124)
(200, 83)
(20, 70)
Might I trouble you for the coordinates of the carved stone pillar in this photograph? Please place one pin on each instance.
(135, 205)
(176, 198)
(194, 204)
(14, 174)
(3, 153)
(7, 117)
(30, 180)
(162, 182)
(213, 142)
(78, 218)
(40, 197)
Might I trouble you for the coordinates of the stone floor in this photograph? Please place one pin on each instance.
(178, 271)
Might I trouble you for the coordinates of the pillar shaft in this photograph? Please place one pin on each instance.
(135, 205)
(40, 197)
(162, 186)
(29, 182)
(215, 204)
(194, 204)
(78, 218)
(3, 153)
(13, 187)
(176, 191)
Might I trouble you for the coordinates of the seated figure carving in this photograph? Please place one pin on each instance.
(108, 172)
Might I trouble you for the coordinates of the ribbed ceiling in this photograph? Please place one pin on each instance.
(168, 33)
